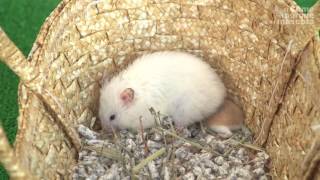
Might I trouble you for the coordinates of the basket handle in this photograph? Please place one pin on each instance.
(9, 160)
(13, 57)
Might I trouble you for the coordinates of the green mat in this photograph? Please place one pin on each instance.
(21, 20)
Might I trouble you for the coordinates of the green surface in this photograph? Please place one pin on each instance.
(21, 20)
(306, 3)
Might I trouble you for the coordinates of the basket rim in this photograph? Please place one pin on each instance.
(46, 27)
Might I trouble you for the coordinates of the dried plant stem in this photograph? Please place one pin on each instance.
(181, 138)
(202, 127)
(123, 162)
(146, 149)
(144, 162)
(247, 145)
(197, 145)
(109, 153)
(251, 146)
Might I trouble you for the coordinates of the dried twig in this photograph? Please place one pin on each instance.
(106, 152)
(202, 127)
(144, 162)
(247, 145)
(146, 148)
(197, 145)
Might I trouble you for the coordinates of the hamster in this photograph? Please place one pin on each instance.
(176, 84)
(229, 117)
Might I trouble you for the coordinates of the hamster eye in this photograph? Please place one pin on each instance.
(112, 117)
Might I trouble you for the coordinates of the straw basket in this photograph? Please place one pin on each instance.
(271, 65)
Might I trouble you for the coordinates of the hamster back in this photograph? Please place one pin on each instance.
(176, 84)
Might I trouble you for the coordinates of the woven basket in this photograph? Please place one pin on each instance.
(272, 67)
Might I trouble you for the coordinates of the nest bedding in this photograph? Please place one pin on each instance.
(163, 153)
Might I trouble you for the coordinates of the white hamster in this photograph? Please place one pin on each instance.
(177, 84)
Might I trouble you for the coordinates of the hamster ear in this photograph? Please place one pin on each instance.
(104, 78)
(127, 96)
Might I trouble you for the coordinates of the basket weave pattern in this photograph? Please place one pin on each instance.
(82, 39)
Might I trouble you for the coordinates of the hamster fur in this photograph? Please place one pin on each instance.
(228, 117)
(176, 84)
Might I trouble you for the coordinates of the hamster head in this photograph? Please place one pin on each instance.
(115, 100)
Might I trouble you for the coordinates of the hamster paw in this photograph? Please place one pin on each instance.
(222, 131)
